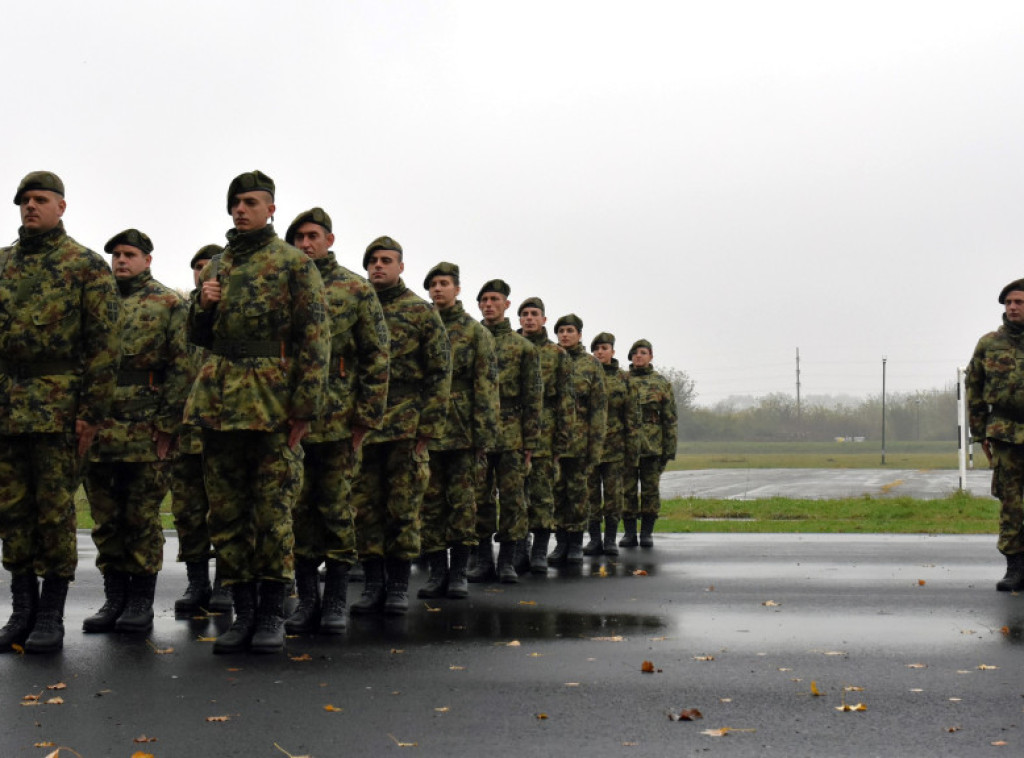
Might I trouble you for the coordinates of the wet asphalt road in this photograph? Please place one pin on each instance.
(737, 626)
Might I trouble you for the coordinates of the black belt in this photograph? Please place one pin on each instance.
(131, 378)
(236, 349)
(37, 369)
(1015, 415)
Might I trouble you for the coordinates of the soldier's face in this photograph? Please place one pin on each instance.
(642, 357)
(197, 269)
(128, 261)
(443, 291)
(384, 268)
(568, 336)
(604, 352)
(252, 210)
(40, 210)
(1015, 307)
(532, 320)
(313, 240)
(493, 306)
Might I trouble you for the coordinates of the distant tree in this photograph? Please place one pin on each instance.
(683, 386)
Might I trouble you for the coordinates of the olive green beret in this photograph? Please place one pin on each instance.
(39, 180)
(604, 338)
(531, 302)
(250, 181)
(495, 285)
(205, 253)
(639, 344)
(570, 319)
(444, 268)
(1014, 285)
(381, 243)
(312, 216)
(132, 237)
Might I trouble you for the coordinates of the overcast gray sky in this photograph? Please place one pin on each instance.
(731, 180)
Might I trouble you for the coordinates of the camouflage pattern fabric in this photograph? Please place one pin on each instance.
(995, 385)
(540, 493)
(190, 507)
(519, 387)
(124, 500)
(572, 498)
(1007, 486)
(190, 438)
(654, 395)
(448, 513)
(620, 439)
(642, 487)
(501, 497)
(590, 420)
(387, 495)
(324, 518)
(606, 488)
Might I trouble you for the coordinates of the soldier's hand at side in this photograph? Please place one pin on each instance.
(358, 435)
(529, 457)
(164, 442)
(421, 445)
(988, 449)
(299, 429)
(85, 432)
(209, 295)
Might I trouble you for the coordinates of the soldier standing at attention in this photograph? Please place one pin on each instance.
(449, 505)
(521, 399)
(586, 440)
(357, 391)
(556, 414)
(261, 313)
(995, 402)
(388, 491)
(188, 493)
(656, 445)
(59, 348)
(606, 480)
(127, 477)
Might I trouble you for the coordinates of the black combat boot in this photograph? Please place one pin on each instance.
(372, 599)
(574, 557)
(24, 602)
(221, 600)
(137, 616)
(356, 573)
(458, 584)
(539, 553)
(483, 571)
(437, 575)
(236, 638)
(506, 568)
(647, 529)
(268, 636)
(307, 583)
(397, 586)
(561, 551)
(115, 591)
(521, 559)
(48, 632)
(333, 619)
(595, 546)
(628, 532)
(1014, 579)
(611, 526)
(197, 593)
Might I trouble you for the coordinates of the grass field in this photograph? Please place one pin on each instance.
(912, 455)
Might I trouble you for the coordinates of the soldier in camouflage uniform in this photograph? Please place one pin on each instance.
(126, 480)
(449, 505)
(388, 491)
(656, 445)
(586, 441)
(357, 390)
(555, 418)
(262, 314)
(521, 399)
(995, 400)
(189, 505)
(59, 350)
(606, 480)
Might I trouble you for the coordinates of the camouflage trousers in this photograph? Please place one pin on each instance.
(571, 497)
(124, 500)
(252, 482)
(323, 518)
(387, 495)
(1008, 486)
(501, 497)
(190, 508)
(540, 493)
(606, 483)
(38, 477)
(449, 504)
(642, 485)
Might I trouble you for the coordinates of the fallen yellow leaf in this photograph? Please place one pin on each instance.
(442, 709)
(857, 707)
(45, 744)
(952, 729)
(998, 743)
(814, 689)
(303, 657)
(333, 708)
(639, 572)
(143, 738)
(602, 571)
(917, 665)
(984, 667)
(720, 732)
(647, 667)
(397, 651)
(57, 686)
(616, 638)
(920, 582)
(206, 639)
(769, 603)
(513, 643)
(456, 668)
(55, 701)
(218, 718)
(527, 602)
(403, 744)
(541, 716)
(703, 657)
(536, 655)
(140, 754)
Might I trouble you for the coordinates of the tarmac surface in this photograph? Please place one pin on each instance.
(744, 628)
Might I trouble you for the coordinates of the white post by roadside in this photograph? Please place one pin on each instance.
(961, 427)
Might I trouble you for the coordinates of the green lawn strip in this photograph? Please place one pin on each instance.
(839, 455)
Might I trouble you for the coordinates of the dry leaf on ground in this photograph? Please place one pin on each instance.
(814, 689)
(846, 707)
(303, 657)
(647, 667)
(687, 714)
(218, 718)
(57, 686)
(333, 708)
(703, 657)
(639, 572)
(403, 744)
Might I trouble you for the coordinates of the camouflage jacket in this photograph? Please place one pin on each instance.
(190, 440)
(657, 435)
(472, 422)
(269, 338)
(590, 419)
(995, 385)
(620, 442)
(357, 376)
(60, 338)
(558, 411)
(155, 375)
(520, 389)
(421, 368)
